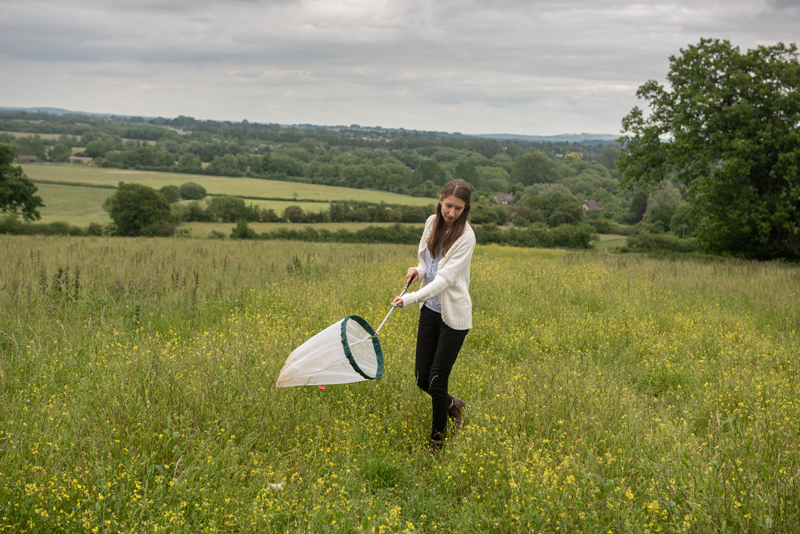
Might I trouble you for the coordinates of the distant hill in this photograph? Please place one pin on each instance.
(587, 138)
(60, 111)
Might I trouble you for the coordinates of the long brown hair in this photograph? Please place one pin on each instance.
(439, 235)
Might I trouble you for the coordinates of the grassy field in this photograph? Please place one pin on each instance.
(29, 134)
(610, 241)
(78, 206)
(217, 184)
(56, 136)
(604, 393)
(198, 229)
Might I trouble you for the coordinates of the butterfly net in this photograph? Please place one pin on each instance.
(347, 351)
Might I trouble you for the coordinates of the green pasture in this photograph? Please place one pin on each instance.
(78, 206)
(279, 205)
(32, 134)
(605, 393)
(610, 241)
(57, 136)
(202, 229)
(218, 185)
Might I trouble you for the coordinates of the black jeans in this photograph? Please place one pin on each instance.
(437, 350)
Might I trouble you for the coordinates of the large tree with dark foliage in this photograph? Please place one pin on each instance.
(727, 126)
(17, 192)
(138, 210)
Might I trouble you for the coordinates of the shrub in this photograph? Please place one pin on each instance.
(569, 236)
(10, 224)
(227, 208)
(138, 210)
(601, 226)
(193, 191)
(526, 214)
(243, 231)
(171, 192)
(566, 213)
(646, 242)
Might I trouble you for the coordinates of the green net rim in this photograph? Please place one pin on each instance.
(376, 345)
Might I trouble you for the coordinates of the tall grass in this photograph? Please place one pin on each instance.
(603, 393)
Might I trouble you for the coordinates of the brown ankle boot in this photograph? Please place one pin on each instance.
(434, 447)
(454, 411)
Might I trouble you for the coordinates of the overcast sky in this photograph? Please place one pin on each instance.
(500, 66)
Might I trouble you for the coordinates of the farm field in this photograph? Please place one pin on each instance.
(79, 206)
(217, 184)
(32, 134)
(201, 229)
(604, 393)
(610, 241)
(56, 136)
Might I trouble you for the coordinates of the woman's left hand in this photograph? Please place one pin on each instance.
(398, 301)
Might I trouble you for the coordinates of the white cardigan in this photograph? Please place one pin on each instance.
(452, 279)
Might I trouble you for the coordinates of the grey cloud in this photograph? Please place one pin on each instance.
(421, 58)
(783, 4)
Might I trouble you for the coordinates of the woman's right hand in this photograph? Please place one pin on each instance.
(412, 275)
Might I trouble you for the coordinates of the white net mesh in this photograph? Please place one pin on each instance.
(323, 359)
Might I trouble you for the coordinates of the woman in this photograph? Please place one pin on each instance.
(445, 253)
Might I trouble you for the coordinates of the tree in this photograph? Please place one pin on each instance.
(566, 213)
(17, 192)
(733, 122)
(189, 163)
(293, 214)
(193, 191)
(30, 146)
(138, 210)
(467, 172)
(171, 192)
(528, 214)
(59, 153)
(243, 231)
(395, 182)
(662, 204)
(492, 179)
(534, 168)
(681, 223)
(284, 164)
(428, 171)
(608, 157)
(228, 208)
(480, 214)
(638, 207)
(97, 149)
(227, 165)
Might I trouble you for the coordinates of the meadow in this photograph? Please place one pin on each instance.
(81, 206)
(203, 229)
(604, 393)
(252, 187)
(57, 136)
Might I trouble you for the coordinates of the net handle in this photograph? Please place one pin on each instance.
(384, 319)
(393, 307)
